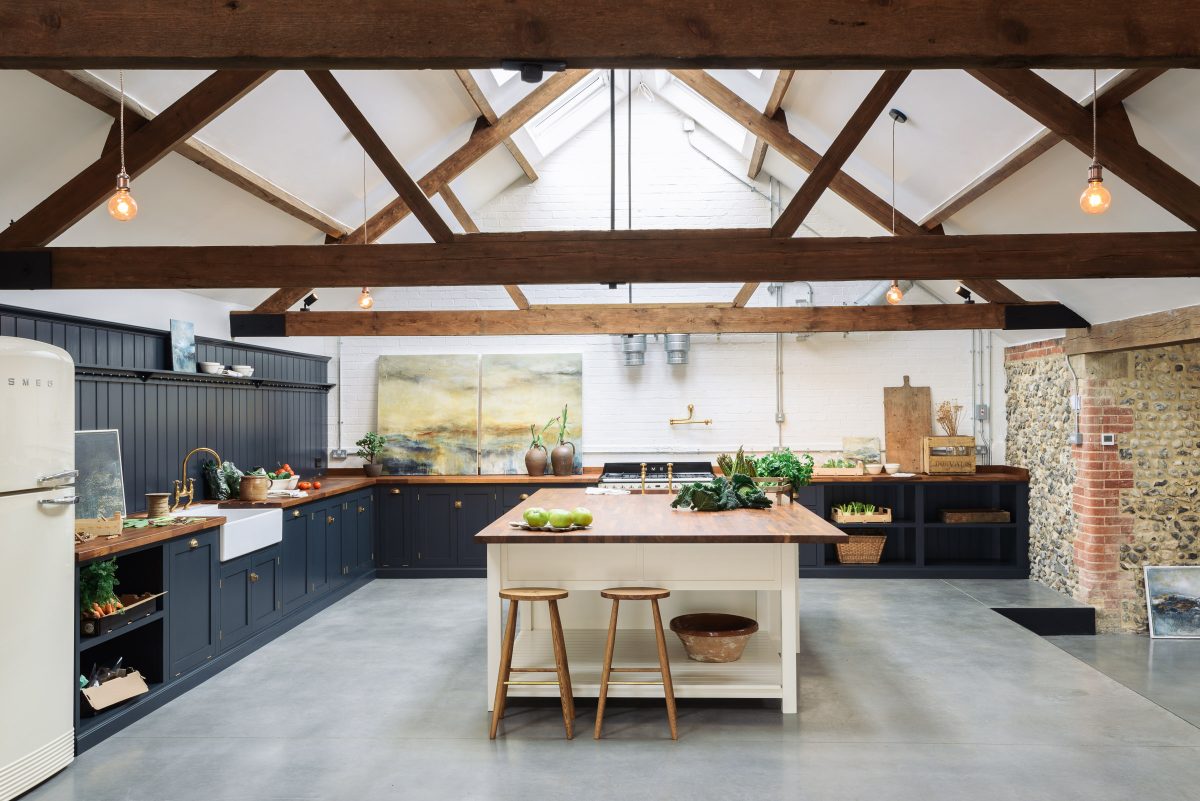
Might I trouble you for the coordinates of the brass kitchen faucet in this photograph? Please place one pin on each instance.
(189, 483)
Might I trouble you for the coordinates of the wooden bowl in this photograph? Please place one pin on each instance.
(713, 636)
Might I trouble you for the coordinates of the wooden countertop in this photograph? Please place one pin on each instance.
(131, 538)
(983, 474)
(650, 519)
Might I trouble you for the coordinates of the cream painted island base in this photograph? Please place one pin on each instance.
(744, 562)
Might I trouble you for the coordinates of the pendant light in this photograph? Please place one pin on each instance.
(121, 206)
(1095, 198)
(365, 301)
(895, 294)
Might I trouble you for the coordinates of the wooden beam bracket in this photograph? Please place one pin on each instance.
(26, 269)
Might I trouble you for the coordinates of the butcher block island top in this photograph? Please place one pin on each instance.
(650, 518)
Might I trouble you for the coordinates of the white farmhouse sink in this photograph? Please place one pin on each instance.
(245, 530)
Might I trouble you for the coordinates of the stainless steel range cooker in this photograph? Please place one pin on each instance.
(657, 475)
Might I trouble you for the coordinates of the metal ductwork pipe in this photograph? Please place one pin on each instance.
(634, 347)
(677, 346)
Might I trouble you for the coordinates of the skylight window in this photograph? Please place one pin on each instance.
(563, 118)
(503, 76)
(756, 73)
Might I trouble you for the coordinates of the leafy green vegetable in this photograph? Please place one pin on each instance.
(736, 465)
(840, 463)
(97, 584)
(785, 464)
(722, 494)
(856, 508)
(223, 481)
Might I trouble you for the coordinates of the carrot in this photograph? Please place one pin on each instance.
(97, 610)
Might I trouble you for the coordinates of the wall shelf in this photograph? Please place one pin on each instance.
(87, 643)
(146, 374)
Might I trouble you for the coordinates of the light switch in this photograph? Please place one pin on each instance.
(1108, 439)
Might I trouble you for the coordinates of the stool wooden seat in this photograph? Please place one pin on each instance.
(653, 595)
(635, 593)
(552, 595)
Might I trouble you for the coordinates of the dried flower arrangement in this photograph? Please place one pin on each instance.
(949, 414)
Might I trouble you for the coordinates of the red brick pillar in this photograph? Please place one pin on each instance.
(1101, 474)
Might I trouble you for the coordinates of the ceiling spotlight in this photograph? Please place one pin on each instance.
(895, 294)
(532, 71)
(964, 293)
(309, 301)
(365, 301)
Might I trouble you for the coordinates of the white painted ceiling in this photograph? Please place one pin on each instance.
(957, 131)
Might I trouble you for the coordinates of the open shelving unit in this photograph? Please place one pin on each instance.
(918, 544)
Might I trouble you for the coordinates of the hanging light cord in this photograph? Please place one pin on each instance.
(894, 121)
(364, 193)
(1094, 92)
(121, 122)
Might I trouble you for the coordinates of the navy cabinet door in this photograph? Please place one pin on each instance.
(192, 601)
(393, 527)
(236, 622)
(318, 559)
(293, 557)
(435, 535)
(349, 531)
(265, 606)
(473, 512)
(509, 495)
(365, 509)
(333, 543)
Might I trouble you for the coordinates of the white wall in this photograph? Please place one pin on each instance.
(832, 383)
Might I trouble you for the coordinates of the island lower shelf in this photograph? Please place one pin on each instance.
(757, 674)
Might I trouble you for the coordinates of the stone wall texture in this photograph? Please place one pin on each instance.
(1039, 422)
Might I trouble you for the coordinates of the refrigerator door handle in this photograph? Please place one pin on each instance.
(68, 500)
(59, 476)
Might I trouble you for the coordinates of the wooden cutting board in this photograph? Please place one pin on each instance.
(907, 416)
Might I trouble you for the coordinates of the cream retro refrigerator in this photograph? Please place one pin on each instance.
(37, 535)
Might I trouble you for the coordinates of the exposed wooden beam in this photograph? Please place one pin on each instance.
(774, 102)
(485, 108)
(744, 294)
(654, 319)
(281, 300)
(483, 139)
(1111, 95)
(468, 224)
(99, 95)
(143, 149)
(1119, 148)
(574, 257)
(830, 165)
(775, 133)
(1174, 327)
(412, 34)
(518, 297)
(353, 118)
(991, 290)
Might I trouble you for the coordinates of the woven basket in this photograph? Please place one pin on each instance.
(862, 549)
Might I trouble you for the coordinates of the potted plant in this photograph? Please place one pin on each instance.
(562, 458)
(370, 447)
(537, 456)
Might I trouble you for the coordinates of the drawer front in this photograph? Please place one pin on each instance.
(513, 494)
(716, 561)
(579, 562)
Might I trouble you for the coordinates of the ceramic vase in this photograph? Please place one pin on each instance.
(535, 461)
(562, 459)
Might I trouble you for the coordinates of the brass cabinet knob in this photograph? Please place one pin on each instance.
(458, 504)
(394, 490)
(524, 496)
(362, 509)
(253, 577)
(329, 520)
(193, 543)
(295, 513)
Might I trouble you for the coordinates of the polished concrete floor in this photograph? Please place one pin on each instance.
(909, 690)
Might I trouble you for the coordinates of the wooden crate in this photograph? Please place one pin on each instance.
(947, 456)
(882, 514)
(857, 470)
(974, 516)
(136, 608)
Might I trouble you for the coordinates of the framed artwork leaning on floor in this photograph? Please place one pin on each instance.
(1173, 600)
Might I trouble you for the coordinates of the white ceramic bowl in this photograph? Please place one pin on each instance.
(285, 483)
(892, 467)
(874, 469)
(212, 368)
(243, 369)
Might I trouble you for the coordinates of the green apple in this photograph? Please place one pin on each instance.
(560, 518)
(536, 516)
(581, 516)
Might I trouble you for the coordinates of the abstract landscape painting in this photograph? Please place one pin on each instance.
(429, 414)
(520, 390)
(183, 346)
(1173, 600)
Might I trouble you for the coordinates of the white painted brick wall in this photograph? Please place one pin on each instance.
(832, 384)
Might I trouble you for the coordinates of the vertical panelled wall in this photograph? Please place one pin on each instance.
(279, 416)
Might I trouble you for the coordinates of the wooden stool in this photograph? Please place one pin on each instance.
(651, 594)
(513, 595)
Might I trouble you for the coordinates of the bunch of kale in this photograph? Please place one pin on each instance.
(722, 494)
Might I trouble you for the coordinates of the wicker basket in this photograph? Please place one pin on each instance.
(862, 549)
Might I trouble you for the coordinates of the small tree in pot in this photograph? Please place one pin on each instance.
(370, 447)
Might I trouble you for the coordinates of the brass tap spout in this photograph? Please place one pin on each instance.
(186, 487)
(643, 478)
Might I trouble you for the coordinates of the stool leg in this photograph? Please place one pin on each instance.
(560, 668)
(665, 666)
(556, 626)
(506, 652)
(607, 669)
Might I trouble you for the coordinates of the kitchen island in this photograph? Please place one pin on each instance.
(744, 562)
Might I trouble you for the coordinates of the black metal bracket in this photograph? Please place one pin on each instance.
(26, 269)
(257, 325)
(1020, 316)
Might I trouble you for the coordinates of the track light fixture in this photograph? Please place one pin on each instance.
(309, 301)
(532, 71)
(964, 293)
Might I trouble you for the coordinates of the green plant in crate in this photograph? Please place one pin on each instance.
(856, 508)
(797, 470)
(370, 447)
(97, 589)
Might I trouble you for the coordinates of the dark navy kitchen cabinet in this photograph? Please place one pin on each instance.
(192, 602)
(293, 560)
(364, 507)
(333, 542)
(349, 532)
(434, 539)
(392, 536)
(265, 604)
(236, 622)
(474, 509)
(509, 496)
(319, 576)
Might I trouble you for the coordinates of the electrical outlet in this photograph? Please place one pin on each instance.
(338, 453)
(981, 411)
(1108, 439)
(1075, 439)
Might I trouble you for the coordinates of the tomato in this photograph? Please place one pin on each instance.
(304, 485)
(316, 485)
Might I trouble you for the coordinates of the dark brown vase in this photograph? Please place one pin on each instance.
(373, 469)
(535, 461)
(562, 458)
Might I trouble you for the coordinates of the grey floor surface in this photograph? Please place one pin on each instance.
(909, 690)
